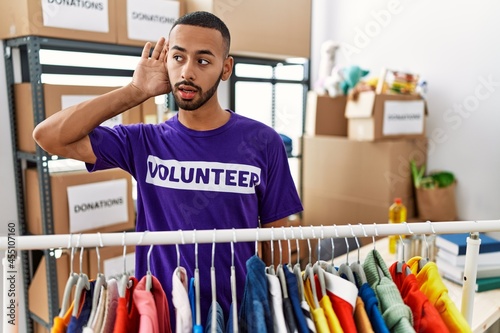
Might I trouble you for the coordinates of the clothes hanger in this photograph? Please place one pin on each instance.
(270, 268)
(196, 281)
(423, 261)
(279, 270)
(100, 281)
(297, 271)
(317, 269)
(345, 270)
(399, 265)
(357, 269)
(234, 297)
(179, 254)
(379, 270)
(309, 274)
(330, 268)
(124, 280)
(149, 279)
(83, 283)
(214, 287)
(72, 280)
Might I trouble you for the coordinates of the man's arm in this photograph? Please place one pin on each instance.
(66, 132)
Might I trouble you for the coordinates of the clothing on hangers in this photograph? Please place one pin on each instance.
(317, 313)
(433, 287)
(145, 303)
(112, 297)
(219, 320)
(425, 316)
(77, 323)
(361, 319)
(396, 314)
(293, 293)
(127, 315)
(342, 294)
(276, 304)
(95, 323)
(255, 311)
(60, 324)
(372, 308)
(180, 300)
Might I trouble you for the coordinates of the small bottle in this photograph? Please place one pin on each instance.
(397, 214)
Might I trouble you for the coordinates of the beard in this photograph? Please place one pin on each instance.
(201, 97)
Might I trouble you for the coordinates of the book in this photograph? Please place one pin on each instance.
(482, 284)
(483, 259)
(457, 272)
(457, 243)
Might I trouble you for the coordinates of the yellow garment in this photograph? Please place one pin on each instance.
(437, 293)
(331, 317)
(61, 324)
(363, 324)
(308, 294)
(317, 313)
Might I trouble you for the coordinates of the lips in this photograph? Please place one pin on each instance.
(186, 91)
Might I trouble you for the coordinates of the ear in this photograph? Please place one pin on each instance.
(227, 68)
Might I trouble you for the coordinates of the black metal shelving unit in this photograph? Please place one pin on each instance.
(22, 58)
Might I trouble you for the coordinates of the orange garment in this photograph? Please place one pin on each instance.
(61, 324)
(363, 324)
(433, 287)
(127, 315)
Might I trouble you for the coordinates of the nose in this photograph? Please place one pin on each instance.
(188, 72)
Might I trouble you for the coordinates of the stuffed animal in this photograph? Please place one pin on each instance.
(327, 62)
(344, 79)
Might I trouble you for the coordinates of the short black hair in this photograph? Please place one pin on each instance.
(206, 20)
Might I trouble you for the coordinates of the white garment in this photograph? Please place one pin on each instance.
(112, 295)
(95, 323)
(180, 300)
(276, 304)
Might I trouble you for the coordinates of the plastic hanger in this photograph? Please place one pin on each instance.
(124, 280)
(297, 271)
(345, 270)
(100, 282)
(379, 270)
(214, 287)
(82, 283)
(317, 269)
(309, 273)
(400, 263)
(423, 261)
(149, 280)
(357, 269)
(234, 296)
(270, 268)
(196, 281)
(279, 270)
(179, 253)
(72, 280)
(330, 268)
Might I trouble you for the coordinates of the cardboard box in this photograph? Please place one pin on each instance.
(60, 19)
(149, 112)
(141, 21)
(286, 25)
(346, 181)
(56, 97)
(111, 261)
(385, 116)
(92, 206)
(37, 291)
(325, 115)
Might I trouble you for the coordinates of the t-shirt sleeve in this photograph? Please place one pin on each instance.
(112, 148)
(280, 198)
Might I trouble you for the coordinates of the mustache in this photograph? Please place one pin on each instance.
(187, 83)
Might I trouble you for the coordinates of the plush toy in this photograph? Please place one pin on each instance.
(344, 79)
(327, 62)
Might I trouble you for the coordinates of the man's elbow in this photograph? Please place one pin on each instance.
(42, 137)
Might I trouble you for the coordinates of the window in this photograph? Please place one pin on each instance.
(273, 92)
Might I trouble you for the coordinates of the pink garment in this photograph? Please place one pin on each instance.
(153, 307)
(145, 303)
(112, 303)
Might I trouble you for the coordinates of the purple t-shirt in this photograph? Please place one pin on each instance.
(230, 177)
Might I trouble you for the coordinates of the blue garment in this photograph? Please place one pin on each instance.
(229, 325)
(255, 312)
(372, 310)
(219, 324)
(192, 301)
(293, 294)
(77, 324)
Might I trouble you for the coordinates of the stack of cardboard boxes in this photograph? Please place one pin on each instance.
(357, 156)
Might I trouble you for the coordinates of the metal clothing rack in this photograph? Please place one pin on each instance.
(44, 242)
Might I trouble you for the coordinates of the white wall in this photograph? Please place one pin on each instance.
(454, 46)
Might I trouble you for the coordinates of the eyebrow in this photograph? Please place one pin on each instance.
(207, 52)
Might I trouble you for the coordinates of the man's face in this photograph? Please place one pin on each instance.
(196, 63)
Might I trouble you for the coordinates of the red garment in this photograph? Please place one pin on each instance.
(127, 315)
(426, 318)
(342, 294)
